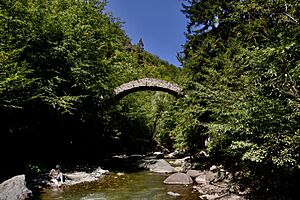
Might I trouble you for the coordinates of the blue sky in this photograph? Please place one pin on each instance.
(160, 24)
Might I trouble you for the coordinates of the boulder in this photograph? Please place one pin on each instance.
(201, 179)
(213, 168)
(14, 189)
(181, 161)
(178, 179)
(212, 176)
(161, 166)
(193, 173)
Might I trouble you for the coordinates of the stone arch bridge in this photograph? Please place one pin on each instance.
(146, 84)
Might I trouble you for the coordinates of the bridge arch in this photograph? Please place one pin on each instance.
(146, 84)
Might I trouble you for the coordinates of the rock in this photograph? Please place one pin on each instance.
(186, 165)
(173, 154)
(159, 155)
(199, 189)
(209, 197)
(201, 179)
(178, 179)
(215, 183)
(178, 169)
(193, 173)
(213, 168)
(77, 176)
(147, 163)
(100, 171)
(174, 194)
(80, 177)
(161, 166)
(14, 189)
(180, 162)
(212, 177)
(225, 196)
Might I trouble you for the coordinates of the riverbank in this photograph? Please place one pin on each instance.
(124, 171)
(212, 183)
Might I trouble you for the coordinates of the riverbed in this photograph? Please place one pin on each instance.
(137, 185)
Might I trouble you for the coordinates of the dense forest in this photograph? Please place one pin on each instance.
(242, 64)
(61, 59)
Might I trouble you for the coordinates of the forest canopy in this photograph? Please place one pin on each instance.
(60, 60)
(242, 63)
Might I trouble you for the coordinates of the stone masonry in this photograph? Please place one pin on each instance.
(147, 84)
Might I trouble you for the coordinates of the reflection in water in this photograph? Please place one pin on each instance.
(142, 185)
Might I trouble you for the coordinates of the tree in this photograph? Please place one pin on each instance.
(140, 44)
(241, 57)
(58, 60)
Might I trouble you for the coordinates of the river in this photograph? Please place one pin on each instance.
(138, 185)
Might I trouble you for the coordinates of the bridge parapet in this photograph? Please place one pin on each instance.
(147, 84)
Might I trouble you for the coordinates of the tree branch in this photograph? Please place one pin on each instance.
(288, 15)
(292, 18)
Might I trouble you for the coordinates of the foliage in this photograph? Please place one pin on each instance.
(241, 57)
(57, 58)
(59, 62)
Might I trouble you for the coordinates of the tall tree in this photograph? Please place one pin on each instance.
(242, 58)
(58, 60)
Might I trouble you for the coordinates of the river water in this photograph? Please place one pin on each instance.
(139, 185)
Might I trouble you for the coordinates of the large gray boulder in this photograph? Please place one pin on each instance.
(178, 179)
(14, 189)
(160, 166)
